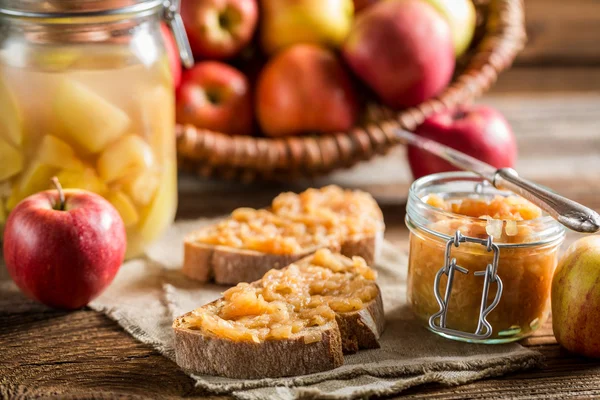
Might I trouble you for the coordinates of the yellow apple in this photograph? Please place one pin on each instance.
(124, 206)
(11, 125)
(128, 155)
(286, 22)
(87, 119)
(461, 17)
(11, 160)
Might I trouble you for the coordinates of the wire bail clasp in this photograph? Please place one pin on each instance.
(437, 322)
(173, 19)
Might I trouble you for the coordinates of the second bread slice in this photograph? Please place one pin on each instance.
(243, 247)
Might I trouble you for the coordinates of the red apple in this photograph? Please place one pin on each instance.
(403, 50)
(64, 252)
(172, 54)
(215, 96)
(478, 131)
(219, 29)
(303, 89)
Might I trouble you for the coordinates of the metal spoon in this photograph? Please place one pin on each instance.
(568, 212)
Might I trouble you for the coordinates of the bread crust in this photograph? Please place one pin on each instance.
(367, 247)
(229, 266)
(201, 354)
(362, 329)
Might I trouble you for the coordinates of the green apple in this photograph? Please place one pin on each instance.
(461, 16)
(287, 22)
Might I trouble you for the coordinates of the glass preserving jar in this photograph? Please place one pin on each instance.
(481, 260)
(86, 95)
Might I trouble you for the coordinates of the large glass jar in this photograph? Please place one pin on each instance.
(86, 95)
(481, 260)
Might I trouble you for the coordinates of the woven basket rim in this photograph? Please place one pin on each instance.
(209, 153)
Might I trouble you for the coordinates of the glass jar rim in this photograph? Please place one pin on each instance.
(555, 230)
(139, 8)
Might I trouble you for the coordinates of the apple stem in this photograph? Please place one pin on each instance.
(61, 193)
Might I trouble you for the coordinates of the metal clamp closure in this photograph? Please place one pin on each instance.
(484, 328)
(175, 23)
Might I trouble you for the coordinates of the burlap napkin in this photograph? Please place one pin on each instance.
(147, 294)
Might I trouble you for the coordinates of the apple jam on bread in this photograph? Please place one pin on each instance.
(313, 310)
(250, 242)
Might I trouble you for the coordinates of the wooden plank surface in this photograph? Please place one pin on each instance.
(74, 355)
(551, 99)
(562, 32)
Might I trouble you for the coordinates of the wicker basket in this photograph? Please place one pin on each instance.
(207, 153)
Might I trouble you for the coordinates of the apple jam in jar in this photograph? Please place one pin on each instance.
(86, 94)
(481, 260)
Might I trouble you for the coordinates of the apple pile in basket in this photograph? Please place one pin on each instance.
(292, 67)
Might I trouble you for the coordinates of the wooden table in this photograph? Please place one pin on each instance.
(552, 99)
(82, 353)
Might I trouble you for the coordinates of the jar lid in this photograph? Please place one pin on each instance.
(461, 184)
(56, 10)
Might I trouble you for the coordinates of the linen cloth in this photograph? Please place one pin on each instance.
(148, 293)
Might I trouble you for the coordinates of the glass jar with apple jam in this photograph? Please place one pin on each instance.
(481, 260)
(87, 95)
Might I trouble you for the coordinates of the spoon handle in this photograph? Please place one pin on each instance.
(566, 211)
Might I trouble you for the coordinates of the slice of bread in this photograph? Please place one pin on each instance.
(201, 354)
(294, 321)
(243, 247)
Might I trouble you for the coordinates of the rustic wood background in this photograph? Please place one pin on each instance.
(552, 99)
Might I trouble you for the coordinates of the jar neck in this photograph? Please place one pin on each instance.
(64, 13)
(457, 185)
(87, 21)
(38, 31)
(79, 11)
(53, 47)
